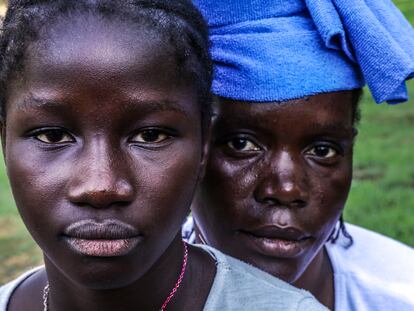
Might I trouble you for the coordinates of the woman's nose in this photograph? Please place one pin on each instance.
(283, 183)
(100, 178)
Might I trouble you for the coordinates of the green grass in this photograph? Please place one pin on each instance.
(17, 249)
(407, 7)
(382, 194)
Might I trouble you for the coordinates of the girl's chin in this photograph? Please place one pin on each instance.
(106, 277)
(97, 273)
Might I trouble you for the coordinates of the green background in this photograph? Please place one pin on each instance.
(382, 195)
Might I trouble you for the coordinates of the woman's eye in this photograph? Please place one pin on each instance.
(150, 136)
(242, 144)
(54, 137)
(323, 152)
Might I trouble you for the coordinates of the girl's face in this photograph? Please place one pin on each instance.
(103, 148)
(277, 180)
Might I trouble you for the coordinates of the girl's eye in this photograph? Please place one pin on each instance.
(325, 152)
(54, 137)
(242, 144)
(150, 136)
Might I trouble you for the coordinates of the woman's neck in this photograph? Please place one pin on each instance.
(147, 293)
(319, 280)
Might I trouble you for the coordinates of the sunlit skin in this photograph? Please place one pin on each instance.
(99, 127)
(277, 180)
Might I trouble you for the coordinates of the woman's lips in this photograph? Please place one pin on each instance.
(110, 238)
(276, 242)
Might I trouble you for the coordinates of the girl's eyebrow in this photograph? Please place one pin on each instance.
(34, 102)
(143, 106)
(158, 106)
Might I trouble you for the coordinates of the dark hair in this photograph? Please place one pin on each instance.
(356, 117)
(356, 111)
(341, 229)
(179, 21)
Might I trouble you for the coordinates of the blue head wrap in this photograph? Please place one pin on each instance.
(280, 50)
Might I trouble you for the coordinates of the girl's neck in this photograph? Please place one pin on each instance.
(318, 279)
(147, 293)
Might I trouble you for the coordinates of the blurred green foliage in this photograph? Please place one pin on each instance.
(382, 194)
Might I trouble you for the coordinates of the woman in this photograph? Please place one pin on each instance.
(288, 77)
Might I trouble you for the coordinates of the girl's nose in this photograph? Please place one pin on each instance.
(100, 179)
(283, 183)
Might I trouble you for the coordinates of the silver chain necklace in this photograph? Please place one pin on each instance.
(46, 297)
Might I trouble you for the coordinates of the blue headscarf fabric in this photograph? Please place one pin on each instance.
(281, 50)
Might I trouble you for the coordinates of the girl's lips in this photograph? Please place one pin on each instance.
(103, 248)
(109, 238)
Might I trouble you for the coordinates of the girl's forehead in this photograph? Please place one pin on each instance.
(87, 59)
(89, 50)
(90, 37)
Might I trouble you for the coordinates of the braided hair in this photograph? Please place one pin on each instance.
(178, 22)
(356, 117)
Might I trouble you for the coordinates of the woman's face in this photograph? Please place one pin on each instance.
(277, 180)
(103, 148)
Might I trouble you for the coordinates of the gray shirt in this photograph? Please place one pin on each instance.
(236, 286)
(375, 273)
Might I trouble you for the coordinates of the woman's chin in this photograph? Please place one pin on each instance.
(287, 271)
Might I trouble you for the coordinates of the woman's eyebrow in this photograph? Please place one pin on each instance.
(243, 119)
(331, 127)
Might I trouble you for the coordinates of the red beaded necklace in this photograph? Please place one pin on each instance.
(180, 278)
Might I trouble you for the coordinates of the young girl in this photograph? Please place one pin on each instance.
(104, 132)
(288, 75)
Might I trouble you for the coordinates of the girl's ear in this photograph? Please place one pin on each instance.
(208, 136)
(354, 134)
